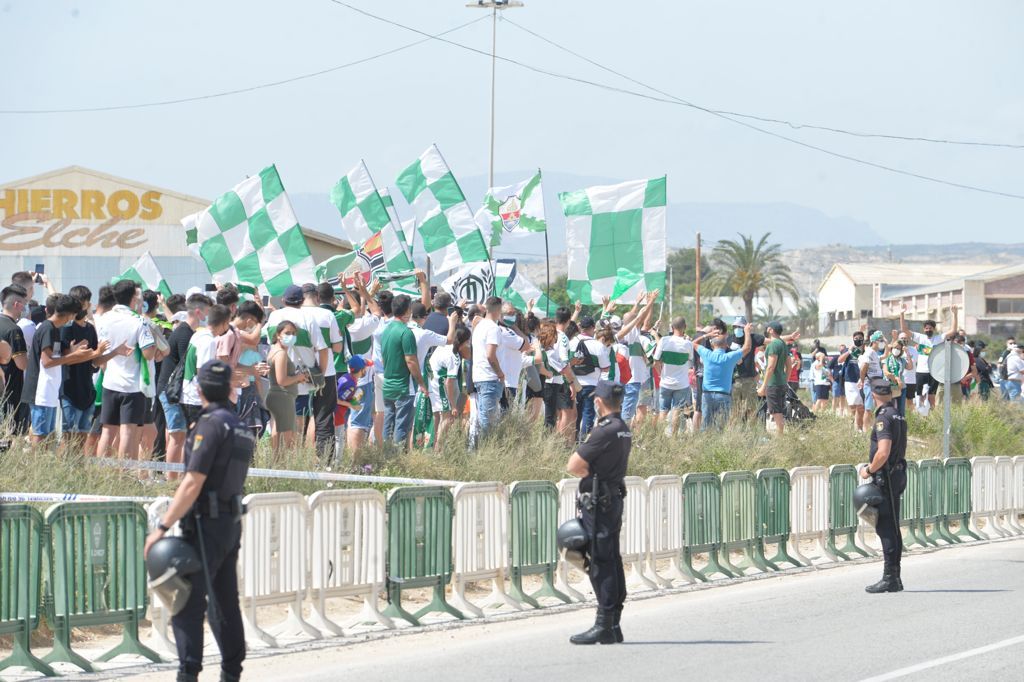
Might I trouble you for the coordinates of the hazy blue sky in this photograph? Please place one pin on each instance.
(937, 69)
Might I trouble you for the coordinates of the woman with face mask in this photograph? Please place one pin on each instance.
(284, 380)
(894, 362)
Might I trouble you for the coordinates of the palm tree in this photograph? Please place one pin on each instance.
(806, 318)
(764, 315)
(746, 269)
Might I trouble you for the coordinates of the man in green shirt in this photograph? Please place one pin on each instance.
(776, 373)
(398, 352)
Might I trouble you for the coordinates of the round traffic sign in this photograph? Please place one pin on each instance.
(948, 354)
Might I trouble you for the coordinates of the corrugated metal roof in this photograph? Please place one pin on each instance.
(990, 275)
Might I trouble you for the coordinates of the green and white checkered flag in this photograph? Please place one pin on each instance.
(615, 237)
(362, 209)
(515, 211)
(251, 234)
(449, 232)
(405, 238)
(513, 286)
(147, 274)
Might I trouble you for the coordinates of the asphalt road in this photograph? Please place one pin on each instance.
(959, 619)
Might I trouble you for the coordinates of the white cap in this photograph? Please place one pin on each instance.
(191, 291)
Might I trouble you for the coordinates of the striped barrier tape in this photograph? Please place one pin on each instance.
(68, 497)
(282, 473)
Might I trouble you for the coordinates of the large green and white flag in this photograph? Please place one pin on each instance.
(515, 211)
(251, 234)
(449, 232)
(615, 240)
(513, 286)
(147, 274)
(396, 224)
(363, 213)
(473, 283)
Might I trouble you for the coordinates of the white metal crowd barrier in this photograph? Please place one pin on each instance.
(984, 497)
(274, 562)
(633, 542)
(1005, 516)
(1018, 493)
(567, 488)
(480, 544)
(808, 511)
(665, 527)
(349, 543)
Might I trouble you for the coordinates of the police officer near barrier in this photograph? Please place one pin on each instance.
(601, 462)
(218, 451)
(887, 467)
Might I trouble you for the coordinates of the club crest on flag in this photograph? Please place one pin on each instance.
(369, 260)
(509, 211)
(475, 286)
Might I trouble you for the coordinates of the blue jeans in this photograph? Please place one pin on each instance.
(44, 420)
(630, 401)
(585, 405)
(173, 416)
(488, 395)
(1011, 390)
(901, 402)
(398, 415)
(869, 400)
(674, 398)
(715, 407)
(74, 420)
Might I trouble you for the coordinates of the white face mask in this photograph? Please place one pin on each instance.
(288, 340)
(896, 352)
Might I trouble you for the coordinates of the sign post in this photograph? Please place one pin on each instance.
(948, 363)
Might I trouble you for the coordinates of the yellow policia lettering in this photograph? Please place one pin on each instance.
(90, 204)
(27, 231)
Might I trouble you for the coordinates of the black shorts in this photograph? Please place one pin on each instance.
(558, 395)
(122, 408)
(776, 396)
(150, 415)
(191, 413)
(821, 392)
(925, 379)
(530, 393)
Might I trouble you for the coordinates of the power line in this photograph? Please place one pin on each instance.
(672, 99)
(765, 119)
(251, 88)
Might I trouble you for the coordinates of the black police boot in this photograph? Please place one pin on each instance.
(899, 579)
(186, 677)
(888, 583)
(601, 633)
(616, 618)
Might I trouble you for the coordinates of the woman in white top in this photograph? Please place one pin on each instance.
(442, 382)
(822, 382)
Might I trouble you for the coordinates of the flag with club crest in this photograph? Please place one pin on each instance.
(513, 286)
(145, 272)
(251, 234)
(515, 211)
(381, 257)
(473, 283)
(362, 209)
(451, 237)
(405, 237)
(615, 237)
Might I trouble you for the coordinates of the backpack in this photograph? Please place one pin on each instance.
(174, 381)
(589, 364)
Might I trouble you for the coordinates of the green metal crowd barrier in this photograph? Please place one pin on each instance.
(910, 509)
(739, 521)
(958, 498)
(99, 577)
(932, 478)
(773, 521)
(22, 539)
(419, 548)
(842, 516)
(702, 524)
(532, 539)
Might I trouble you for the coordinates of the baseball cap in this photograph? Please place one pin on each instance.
(881, 386)
(356, 363)
(775, 326)
(191, 291)
(586, 322)
(215, 380)
(741, 321)
(877, 336)
(292, 294)
(609, 390)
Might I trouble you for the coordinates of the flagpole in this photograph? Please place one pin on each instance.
(547, 265)
(697, 288)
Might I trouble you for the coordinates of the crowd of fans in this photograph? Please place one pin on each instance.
(339, 367)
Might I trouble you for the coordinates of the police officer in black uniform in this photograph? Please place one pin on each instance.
(218, 451)
(604, 455)
(888, 468)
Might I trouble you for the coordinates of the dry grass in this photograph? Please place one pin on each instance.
(519, 450)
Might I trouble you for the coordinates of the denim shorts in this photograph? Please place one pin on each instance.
(173, 415)
(363, 419)
(74, 420)
(674, 399)
(44, 420)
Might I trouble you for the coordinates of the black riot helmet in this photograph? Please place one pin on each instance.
(571, 536)
(170, 561)
(866, 500)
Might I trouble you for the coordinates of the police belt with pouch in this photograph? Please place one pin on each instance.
(601, 495)
(212, 506)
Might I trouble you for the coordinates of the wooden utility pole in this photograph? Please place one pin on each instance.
(696, 317)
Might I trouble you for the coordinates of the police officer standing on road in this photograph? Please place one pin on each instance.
(888, 467)
(604, 455)
(218, 451)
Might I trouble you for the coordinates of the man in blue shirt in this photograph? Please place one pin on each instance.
(719, 364)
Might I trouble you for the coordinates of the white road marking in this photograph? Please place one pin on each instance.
(910, 670)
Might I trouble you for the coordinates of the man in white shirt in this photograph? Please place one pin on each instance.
(325, 401)
(202, 348)
(1015, 373)
(510, 359)
(310, 349)
(360, 336)
(125, 377)
(426, 342)
(637, 347)
(488, 376)
(924, 343)
(672, 360)
(595, 361)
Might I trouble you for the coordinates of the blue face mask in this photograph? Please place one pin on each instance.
(739, 332)
(145, 307)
